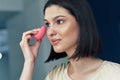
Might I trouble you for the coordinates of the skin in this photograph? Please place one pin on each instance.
(62, 29)
(30, 53)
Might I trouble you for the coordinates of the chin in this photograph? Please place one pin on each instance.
(58, 50)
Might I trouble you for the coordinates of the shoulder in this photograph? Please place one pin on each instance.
(112, 66)
(58, 70)
(61, 66)
(110, 70)
(107, 71)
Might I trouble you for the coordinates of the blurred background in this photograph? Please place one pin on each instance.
(17, 16)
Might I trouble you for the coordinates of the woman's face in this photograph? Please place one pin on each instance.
(62, 29)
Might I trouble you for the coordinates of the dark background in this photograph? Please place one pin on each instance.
(107, 14)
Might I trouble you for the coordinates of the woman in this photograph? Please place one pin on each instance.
(71, 30)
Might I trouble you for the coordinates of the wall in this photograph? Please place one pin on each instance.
(107, 15)
(11, 5)
(4, 68)
(4, 61)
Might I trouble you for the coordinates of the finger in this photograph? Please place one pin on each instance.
(33, 31)
(27, 36)
(37, 44)
(25, 41)
(37, 29)
(28, 33)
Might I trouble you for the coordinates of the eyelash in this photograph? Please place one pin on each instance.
(59, 21)
(47, 24)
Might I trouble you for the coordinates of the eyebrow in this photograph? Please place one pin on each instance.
(54, 18)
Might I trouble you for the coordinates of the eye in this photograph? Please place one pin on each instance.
(47, 24)
(60, 21)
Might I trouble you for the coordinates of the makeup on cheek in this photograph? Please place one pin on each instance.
(40, 33)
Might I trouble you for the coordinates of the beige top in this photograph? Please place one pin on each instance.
(107, 71)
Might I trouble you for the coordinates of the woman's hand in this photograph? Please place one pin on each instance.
(30, 52)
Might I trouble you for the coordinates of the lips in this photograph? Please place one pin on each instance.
(55, 41)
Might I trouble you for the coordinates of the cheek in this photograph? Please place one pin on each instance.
(71, 38)
(70, 35)
(48, 35)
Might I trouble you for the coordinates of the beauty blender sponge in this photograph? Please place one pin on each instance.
(40, 33)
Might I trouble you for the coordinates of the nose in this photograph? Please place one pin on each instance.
(51, 31)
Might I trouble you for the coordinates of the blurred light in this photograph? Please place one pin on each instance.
(0, 55)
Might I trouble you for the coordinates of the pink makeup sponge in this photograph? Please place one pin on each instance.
(40, 33)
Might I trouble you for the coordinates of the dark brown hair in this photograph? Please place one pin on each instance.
(88, 43)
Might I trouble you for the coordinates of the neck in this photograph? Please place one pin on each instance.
(83, 64)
